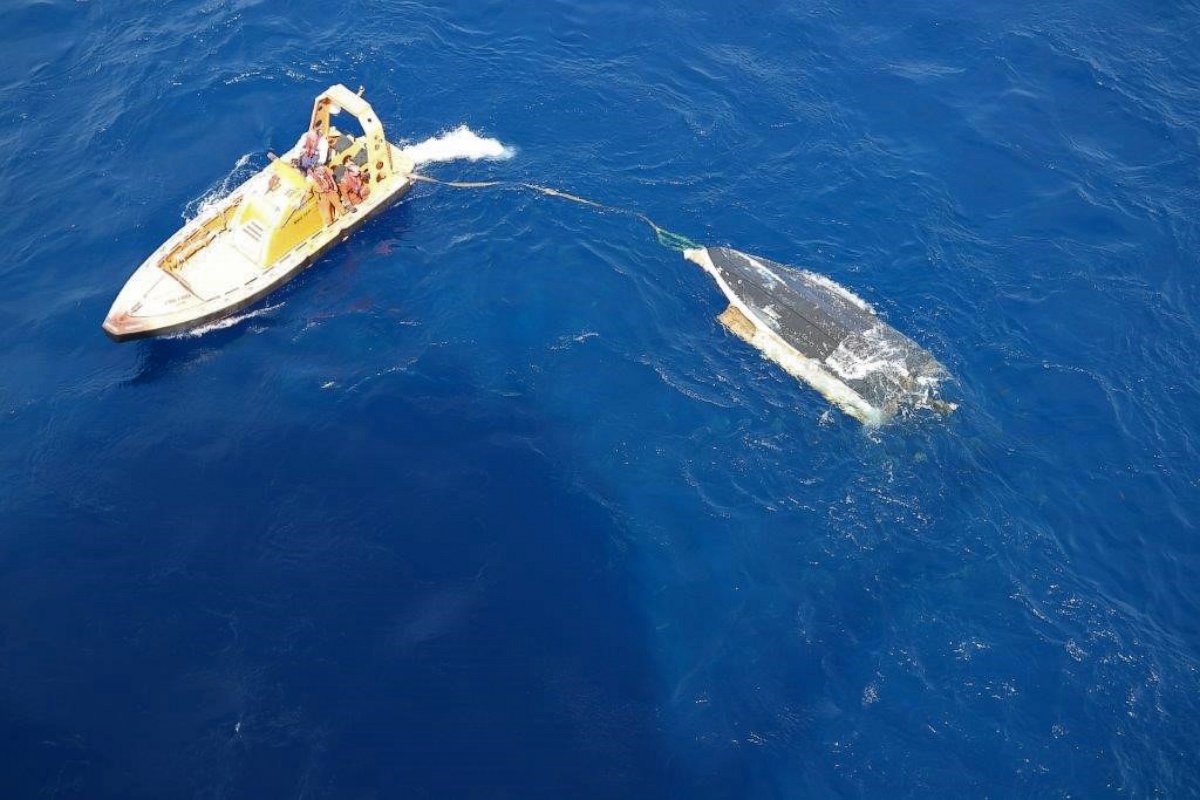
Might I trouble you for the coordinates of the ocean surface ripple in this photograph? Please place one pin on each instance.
(487, 503)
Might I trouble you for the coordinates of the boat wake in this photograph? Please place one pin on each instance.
(222, 324)
(220, 190)
(458, 144)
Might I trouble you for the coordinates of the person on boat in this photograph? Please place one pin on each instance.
(352, 187)
(325, 188)
(314, 148)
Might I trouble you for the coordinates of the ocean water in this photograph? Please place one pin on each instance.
(487, 504)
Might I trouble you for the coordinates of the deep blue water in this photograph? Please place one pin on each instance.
(487, 504)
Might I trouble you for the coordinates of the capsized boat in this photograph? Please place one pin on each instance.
(261, 235)
(823, 334)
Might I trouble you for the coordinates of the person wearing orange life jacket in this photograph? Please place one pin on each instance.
(314, 148)
(352, 187)
(325, 188)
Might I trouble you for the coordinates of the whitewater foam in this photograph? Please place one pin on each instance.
(458, 144)
(224, 322)
(219, 190)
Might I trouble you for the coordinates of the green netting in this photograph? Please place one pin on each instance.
(673, 240)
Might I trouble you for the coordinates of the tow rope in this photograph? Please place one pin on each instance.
(665, 237)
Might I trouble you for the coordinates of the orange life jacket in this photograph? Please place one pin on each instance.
(322, 178)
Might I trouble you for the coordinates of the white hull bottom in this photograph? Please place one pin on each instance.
(774, 347)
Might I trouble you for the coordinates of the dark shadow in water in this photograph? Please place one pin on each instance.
(400, 600)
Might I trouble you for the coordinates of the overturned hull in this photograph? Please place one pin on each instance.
(824, 335)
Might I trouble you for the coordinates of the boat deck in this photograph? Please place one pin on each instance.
(218, 269)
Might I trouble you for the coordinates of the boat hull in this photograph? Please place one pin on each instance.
(824, 335)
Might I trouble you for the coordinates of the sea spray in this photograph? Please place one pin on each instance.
(241, 171)
(223, 323)
(460, 143)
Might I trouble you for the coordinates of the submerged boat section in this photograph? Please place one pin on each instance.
(824, 335)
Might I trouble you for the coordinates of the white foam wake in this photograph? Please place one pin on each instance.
(223, 323)
(460, 143)
(219, 190)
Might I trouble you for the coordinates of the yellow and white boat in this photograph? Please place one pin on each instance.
(260, 236)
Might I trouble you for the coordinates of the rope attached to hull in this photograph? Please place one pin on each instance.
(665, 237)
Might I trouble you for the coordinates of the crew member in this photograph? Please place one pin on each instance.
(353, 190)
(326, 190)
(314, 148)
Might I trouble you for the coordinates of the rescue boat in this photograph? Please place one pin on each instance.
(262, 234)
